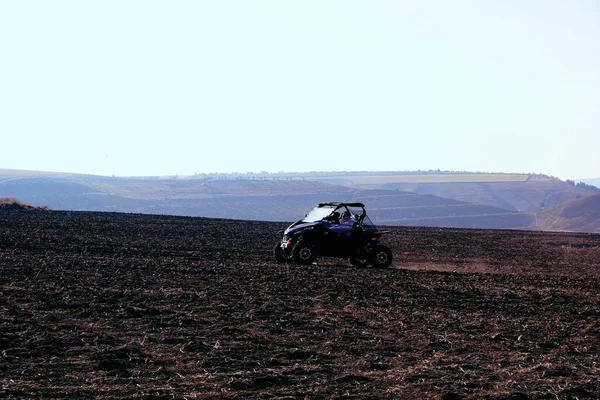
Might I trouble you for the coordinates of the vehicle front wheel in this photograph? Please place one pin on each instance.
(381, 257)
(303, 253)
(279, 256)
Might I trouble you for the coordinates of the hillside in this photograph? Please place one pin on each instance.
(120, 306)
(580, 215)
(255, 199)
(462, 200)
(515, 192)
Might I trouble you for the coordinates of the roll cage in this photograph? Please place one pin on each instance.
(332, 212)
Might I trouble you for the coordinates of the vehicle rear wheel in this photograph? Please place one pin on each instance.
(303, 253)
(279, 256)
(381, 257)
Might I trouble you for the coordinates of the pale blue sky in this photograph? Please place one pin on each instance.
(178, 87)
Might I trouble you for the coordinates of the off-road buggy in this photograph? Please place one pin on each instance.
(334, 230)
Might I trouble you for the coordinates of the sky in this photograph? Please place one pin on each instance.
(160, 88)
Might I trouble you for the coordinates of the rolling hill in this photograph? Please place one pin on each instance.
(516, 192)
(462, 200)
(271, 200)
(580, 215)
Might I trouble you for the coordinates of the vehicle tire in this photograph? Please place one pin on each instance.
(303, 253)
(381, 257)
(359, 261)
(279, 256)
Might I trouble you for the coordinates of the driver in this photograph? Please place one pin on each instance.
(335, 217)
(347, 218)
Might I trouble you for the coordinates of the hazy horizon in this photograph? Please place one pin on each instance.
(149, 88)
(589, 180)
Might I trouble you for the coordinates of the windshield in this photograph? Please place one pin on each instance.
(318, 213)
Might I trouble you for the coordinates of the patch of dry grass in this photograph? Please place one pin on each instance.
(10, 202)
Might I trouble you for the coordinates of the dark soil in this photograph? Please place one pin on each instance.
(117, 306)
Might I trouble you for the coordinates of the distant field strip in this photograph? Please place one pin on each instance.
(435, 178)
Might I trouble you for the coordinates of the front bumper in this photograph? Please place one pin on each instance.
(286, 242)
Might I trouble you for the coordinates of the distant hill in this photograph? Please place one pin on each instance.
(252, 199)
(462, 200)
(515, 192)
(580, 215)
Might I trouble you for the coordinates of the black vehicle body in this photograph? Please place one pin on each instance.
(334, 230)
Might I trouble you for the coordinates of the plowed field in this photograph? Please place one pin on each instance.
(122, 306)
